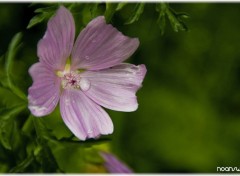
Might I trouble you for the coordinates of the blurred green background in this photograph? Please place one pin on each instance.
(188, 118)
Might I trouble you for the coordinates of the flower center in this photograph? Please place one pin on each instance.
(72, 79)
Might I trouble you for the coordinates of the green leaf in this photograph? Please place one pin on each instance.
(5, 134)
(35, 20)
(56, 126)
(40, 128)
(75, 157)
(23, 165)
(44, 156)
(6, 113)
(39, 149)
(10, 104)
(43, 14)
(176, 21)
(50, 9)
(12, 50)
(138, 10)
(175, 18)
(85, 12)
(110, 10)
(120, 6)
(3, 80)
(51, 126)
(69, 156)
(9, 134)
(161, 19)
(94, 9)
(44, 131)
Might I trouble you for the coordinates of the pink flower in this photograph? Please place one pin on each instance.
(114, 165)
(84, 76)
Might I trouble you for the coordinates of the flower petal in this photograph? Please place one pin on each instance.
(113, 165)
(115, 88)
(56, 45)
(82, 116)
(44, 94)
(100, 46)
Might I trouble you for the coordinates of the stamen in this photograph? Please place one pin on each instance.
(68, 65)
(59, 74)
(71, 80)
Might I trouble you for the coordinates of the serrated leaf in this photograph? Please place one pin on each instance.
(12, 50)
(35, 20)
(137, 12)
(161, 21)
(182, 15)
(43, 14)
(50, 9)
(110, 10)
(175, 19)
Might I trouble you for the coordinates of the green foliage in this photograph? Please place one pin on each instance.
(42, 14)
(3, 80)
(67, 160)
(10, 103)
(174, 18)
(110, 10)
(121, 5)
(9, 137)
(56, 126)
(9, 59)
(13, 102)
(137, 11)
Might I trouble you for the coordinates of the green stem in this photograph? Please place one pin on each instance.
(12, 50)
(28, 125)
